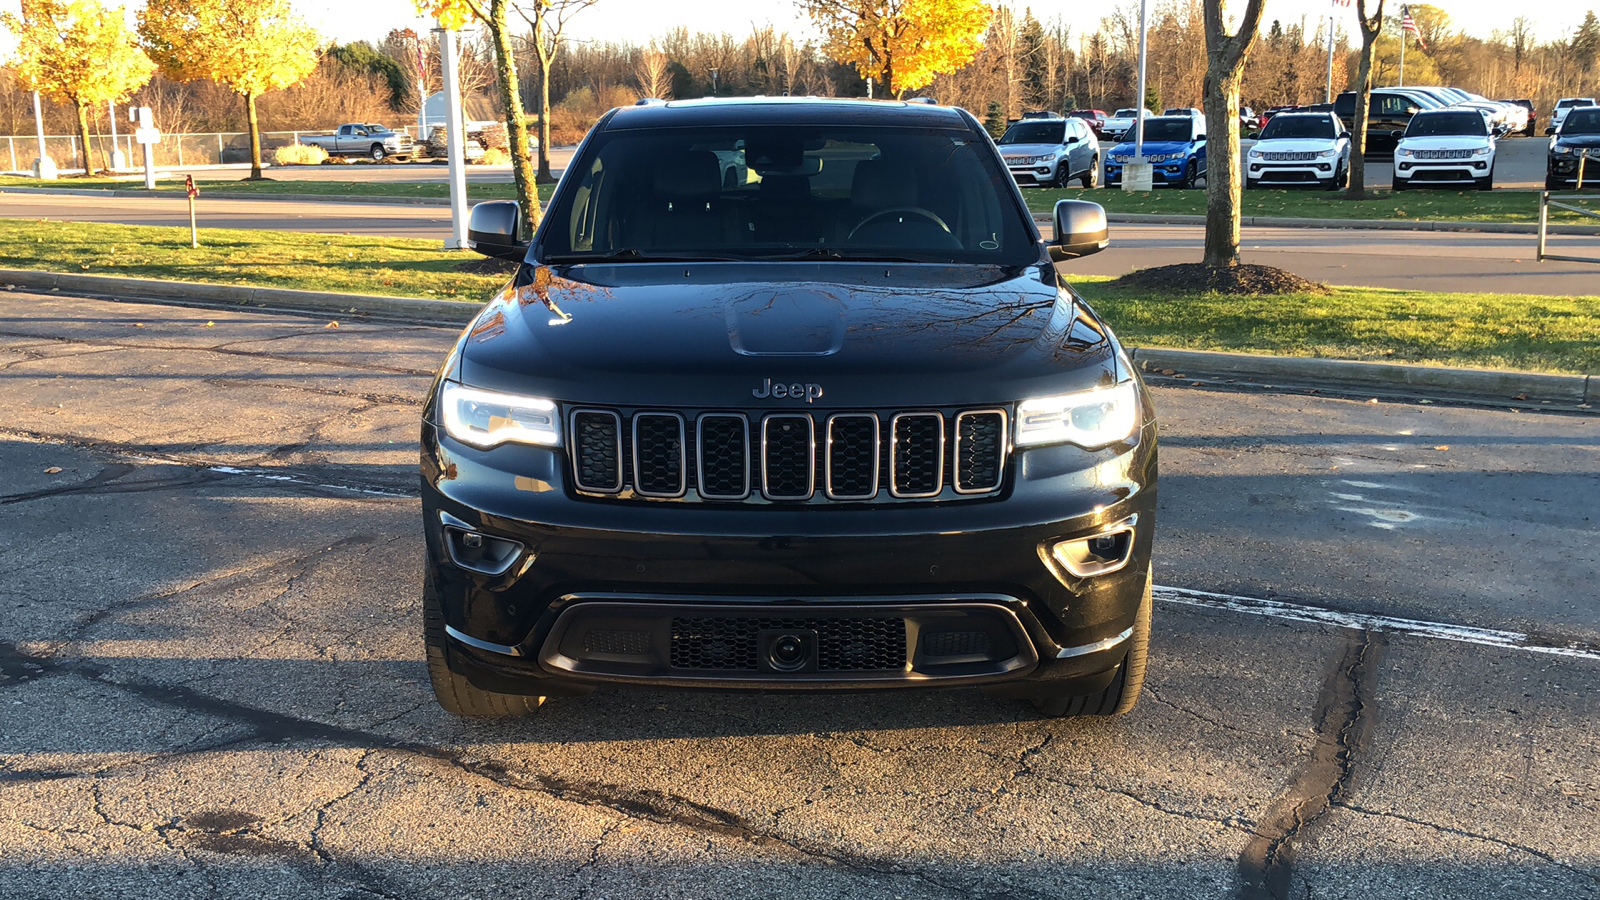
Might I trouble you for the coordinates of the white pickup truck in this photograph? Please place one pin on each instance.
(373, 141)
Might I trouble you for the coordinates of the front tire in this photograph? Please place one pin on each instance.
(1122, 693)
(1191, 174)
(1396, 185)
(377, 153)
(1552, 183)
(1091, 178)
(1486, 183)
(455, 693)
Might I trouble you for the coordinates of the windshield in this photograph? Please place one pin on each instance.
(762, 191)
(1299, 127)
(371, 127)
(1034, 133)
(1450, 123)
(1582, 121)
(1168, 129)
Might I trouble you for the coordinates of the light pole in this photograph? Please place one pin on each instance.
(44, 168)
(454, 139)
(1136, 175)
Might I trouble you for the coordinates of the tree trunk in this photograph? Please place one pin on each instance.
(83, 138)
(1223, 196)
(1226, 55)
(505, 69)
(255, 135)
(1357, 189)
(546, 63)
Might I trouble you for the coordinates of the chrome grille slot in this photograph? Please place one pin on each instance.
(788, 470)
(916, 454)
(852, 457)
(980, 450)
(597, 450)
(659, 455)
(722, 449)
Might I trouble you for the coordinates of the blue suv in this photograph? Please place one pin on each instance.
(1174, 145)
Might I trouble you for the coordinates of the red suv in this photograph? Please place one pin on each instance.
(1095, 117)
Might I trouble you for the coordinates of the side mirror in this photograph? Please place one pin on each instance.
(1080, 230)
(494, 230)
(1071, 140)
(1253, 136)
(1345, 135)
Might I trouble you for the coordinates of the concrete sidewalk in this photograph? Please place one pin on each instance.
(1572, 393)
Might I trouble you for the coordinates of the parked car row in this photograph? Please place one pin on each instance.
(1574, 147)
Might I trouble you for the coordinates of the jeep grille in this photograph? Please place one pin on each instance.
(789, 457)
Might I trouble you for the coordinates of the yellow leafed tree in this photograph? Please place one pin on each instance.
(79, 52)
(494, 15)
(902, 44)
(251, 46)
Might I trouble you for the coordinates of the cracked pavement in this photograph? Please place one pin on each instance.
(211, 676)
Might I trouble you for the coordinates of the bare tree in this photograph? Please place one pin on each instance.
(548, 19)
(655, 78)
(1227, 55)
(1370, 27)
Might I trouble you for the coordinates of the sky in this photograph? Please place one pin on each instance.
(637, 21)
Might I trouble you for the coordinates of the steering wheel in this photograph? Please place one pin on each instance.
(897, 210)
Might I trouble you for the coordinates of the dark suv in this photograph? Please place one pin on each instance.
(831, 422)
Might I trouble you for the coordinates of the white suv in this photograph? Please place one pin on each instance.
(1559, 114)
(1450, 145)
(1300, 148)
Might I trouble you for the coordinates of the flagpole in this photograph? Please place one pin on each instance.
(1402, 51)
(1327, 92)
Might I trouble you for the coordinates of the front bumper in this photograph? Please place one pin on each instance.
(608, 591)
(1290, 172)
(1043, 173)
(1160, 173)
(1565, 167)
(1453, 170)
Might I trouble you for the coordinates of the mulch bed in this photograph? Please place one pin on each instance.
(1196, 278)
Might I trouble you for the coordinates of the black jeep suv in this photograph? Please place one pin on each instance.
(787, 394)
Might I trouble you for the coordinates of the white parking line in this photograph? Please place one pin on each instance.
(1440, 631)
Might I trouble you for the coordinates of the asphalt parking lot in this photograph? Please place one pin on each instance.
(211, 676)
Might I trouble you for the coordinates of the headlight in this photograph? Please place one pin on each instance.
(1561, 151)
(1399, 152)
(1327, 153)
(488, 419)
(1090, 419)
(1255, 154)
(1482, 151)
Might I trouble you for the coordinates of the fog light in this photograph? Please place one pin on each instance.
(479, 552)
(1099, 554)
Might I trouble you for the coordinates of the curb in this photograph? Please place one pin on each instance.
(1353, 224)
(410, 309)
(1494, 386)
(1486, 386)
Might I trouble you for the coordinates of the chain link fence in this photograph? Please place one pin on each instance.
(17, 152)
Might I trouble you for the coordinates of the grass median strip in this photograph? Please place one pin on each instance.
(1510, 331)
(1413, 206)
(399, 267)
(1491, 331)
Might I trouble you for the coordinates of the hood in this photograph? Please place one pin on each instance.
(1445, 142)
(703, 335)
(1295, 145)
(1578, 140)
(1153, 148)
(1010, 150)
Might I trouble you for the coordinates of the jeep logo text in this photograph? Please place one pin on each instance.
(810, 392)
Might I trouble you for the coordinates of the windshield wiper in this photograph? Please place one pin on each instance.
(832, 253)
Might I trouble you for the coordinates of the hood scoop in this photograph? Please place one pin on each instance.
(793, 323)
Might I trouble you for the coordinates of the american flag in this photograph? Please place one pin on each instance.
(1409, 24)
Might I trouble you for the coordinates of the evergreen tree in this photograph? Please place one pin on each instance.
(1586, 43)
(1030, 54)
(994, 121)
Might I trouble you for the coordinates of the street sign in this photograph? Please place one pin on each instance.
(147, 135)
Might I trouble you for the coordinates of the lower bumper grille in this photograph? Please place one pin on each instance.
(843, 644)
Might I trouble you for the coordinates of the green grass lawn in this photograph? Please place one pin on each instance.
(1550, 334)
(401, 267)
(475, 191)
(1417, 206)
(1495, 331)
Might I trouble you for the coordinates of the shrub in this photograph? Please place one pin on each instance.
(494, 156)
(299, 155)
